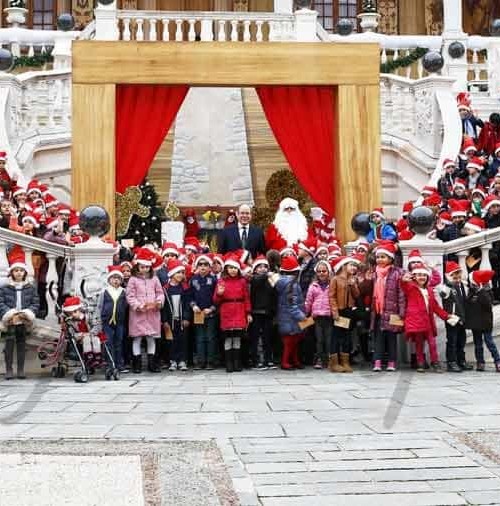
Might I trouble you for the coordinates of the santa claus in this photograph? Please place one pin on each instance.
(289, 226)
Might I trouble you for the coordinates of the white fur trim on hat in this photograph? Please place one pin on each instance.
(470, 148)
(261, 261)
(471, 226)
(114, 273)
(384, 252)
(147, 263)
(475, 165)
(415, 259)
(492, 203)
(175, 270)
(376, 212)
(69, 309)
(232, 263)
(172, 251)
(287, 249)
(460, 213)
(344, 261)
(203, 257)
(323, 262)
(421, 270)
(18, 265)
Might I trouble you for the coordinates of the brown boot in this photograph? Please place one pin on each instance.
(344, 362)
(334, 365)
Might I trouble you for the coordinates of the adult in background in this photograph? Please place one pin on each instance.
(242, 235)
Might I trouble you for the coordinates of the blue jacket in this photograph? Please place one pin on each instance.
(106, 305)
(202, 290)
(384, 232)
(291, 308)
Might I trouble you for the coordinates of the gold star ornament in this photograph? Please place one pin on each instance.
(129, 204)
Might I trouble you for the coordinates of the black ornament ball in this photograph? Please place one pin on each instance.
(303, 4)
(456, 49)
(94, 220)
(433, 61)
(345, 27)
(360, 223)
(106, 2)
(6, 60)
(495, 28)
(65, 22)
(421, 220)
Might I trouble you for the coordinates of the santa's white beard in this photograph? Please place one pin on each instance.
(291, 226)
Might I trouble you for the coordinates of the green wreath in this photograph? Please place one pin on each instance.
(404, 61)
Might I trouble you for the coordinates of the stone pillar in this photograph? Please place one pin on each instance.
(106, 27)
(494, 67)
(305, 25)
(62, 50)
(284, 6)
(452, 22)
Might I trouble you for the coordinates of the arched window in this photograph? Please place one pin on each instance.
(330, 11)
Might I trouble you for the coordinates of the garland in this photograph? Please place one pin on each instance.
(404, 61)
(38, 60)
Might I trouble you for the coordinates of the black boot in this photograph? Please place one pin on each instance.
(453, 367)
(229, 360)
(137, 364)
(152, 365)
(9, 356)
(237, 360)
(413, 361)
(21, 355)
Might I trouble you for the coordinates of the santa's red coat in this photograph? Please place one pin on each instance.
(274, 240)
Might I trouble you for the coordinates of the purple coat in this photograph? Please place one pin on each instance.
(318, 300)
(140, 291)
(395, 301)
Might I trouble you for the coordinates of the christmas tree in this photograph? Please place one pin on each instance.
(146, 230)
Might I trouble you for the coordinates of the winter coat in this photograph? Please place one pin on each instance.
(234, 303)
(384, 231)
(262, 295)
(453, 302)
(8, 302)
(478, 309)
(307, 274)
(341, 294)
(395, 301)
(418, 316)
(202, 290)
(141, 291)
(291, 308)
(318, 300)
(167, 312)
(106, 306)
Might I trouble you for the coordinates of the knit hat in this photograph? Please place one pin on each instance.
(386, 248)
(260, 260)
(448, 163)
(71, 304)
(231, 260)
(202, 258)
(451, 267)
(114, 270)
(289, 264)
(169, 248)
(322, 262)
(481, 277)
(475, 223)
(476, 163)
(489, 201)
(459, 207)
(415, 256)
(419, 268)
(144, 256)
(309, 245)
(17, 258)
(174, 266)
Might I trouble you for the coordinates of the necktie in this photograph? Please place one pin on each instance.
(244, 237)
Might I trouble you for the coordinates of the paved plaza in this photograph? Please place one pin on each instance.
(272, 438)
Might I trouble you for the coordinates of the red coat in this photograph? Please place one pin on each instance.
(274, 240)
(234, 303)
(419, 318)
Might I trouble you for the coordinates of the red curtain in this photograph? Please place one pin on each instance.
(144, 114)
(301, 118)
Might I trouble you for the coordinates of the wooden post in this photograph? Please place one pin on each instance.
(358, 182)
(93, 148)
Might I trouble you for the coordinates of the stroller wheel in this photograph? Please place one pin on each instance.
(61, 371)
(81, 377)
(108, 374)
(116, 374)
(53, 372)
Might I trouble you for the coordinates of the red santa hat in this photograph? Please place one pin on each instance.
(358, 258)
(34, 186)
(202, 258)
(175, 266)
(65, 209)
(192, 244)
(114, 270)
(481, 277)
(489, 201)
(464, 100)
(309, 245)
(157, 261)
(334, 251)
(479, 190)
(386, 248)
(17, 258)
(476, 163)
(378, 211)
(322, 263)
(363, 245)
(458, 207)
(475, 224)
(243, 255)
(497, 148)
(72, 304)
(405, 235)
(126, 263)
(51, 222)
(289, 264)
(433, 200)
(339, 262)
(419, 268)
(169, 248)
(44, 189)
(415, 256)
(260, 260)
(50, 201)
(459, 183)
(218, 259)
(321, 248)
(445, 218)
(428, 190)
(231, 260)
(288, 250)
(3, 155)
(468, 144)
(18, 190)
(32, 218)
(73, 222)
(407, 208)
(448, 162)
(450, 267)
(144, 256)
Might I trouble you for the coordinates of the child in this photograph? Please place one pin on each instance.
(318, 306)
(145, 297)
(388, 306)
(113, 311)
(18, 307)
(290, 311)
(176, 314)
(421, 305)
(263, 302)
(231, 294)
(479, 316)
(343, 294)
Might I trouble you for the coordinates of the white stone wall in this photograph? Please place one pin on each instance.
(210, 163)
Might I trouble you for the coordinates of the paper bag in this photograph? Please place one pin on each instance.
(168, 333)
(306, 323)
(342, 322)
(199, 318)
(396, 320)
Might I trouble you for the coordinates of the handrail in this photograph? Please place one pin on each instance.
(472, 241)
(35, 243)
(208, 15)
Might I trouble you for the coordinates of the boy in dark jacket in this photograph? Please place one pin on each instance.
(263, 301)
(113, 310)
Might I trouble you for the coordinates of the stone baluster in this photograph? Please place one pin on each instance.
(408, 69)
(178, 30)
(140, 29)
(66, 103)
(246, 30)
(33, 107)
(274, 30)
(258, 35)
(52, 287)
(4, 264)
(152, 29)
(395, 56)
(31, 50)
(221, 37)
(165, 35)
(234, 30)
(462, 257)
(206, 33)
(420, 68)
(192, 31)
(126, 29)
(485, 257)
(475, 64)
(28, 254)
(383, 56)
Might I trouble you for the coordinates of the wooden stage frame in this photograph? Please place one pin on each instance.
(352, 69)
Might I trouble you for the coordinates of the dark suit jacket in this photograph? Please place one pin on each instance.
(229, 240)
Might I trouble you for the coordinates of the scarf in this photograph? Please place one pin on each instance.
(379, 291)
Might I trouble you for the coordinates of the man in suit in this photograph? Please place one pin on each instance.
(242, 235)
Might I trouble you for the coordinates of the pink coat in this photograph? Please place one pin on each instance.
(234, 303)
(139, 292)
(418, 317)
(317, 300)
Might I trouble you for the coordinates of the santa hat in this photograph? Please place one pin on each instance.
(464, 100)
(114, 270)
(334, 251)
(451, 267)
(475, 223)
(126, 263)
(289, 264)
(386, 248)
(481, 277)
(169, 248)
(458, 207)
(175, 266)
(144, 256)
(51, 222)
(218, 259)
(445, 218)
(33, 186)
(405, 235)
(428, 190)
(358, 258)
(324, 263)
(231, 260)
(407, 208)
(288, 202)
(3, 155)
(378, 211)
(189, 212)
(73, 222)
(202, 258)
(339, 262)
(309, 245)
(489, 201)
(415, 256)
(288, 250)
(419, 268)
(433, 200)
(476, 163)
(65, 209)
(497, 148)
(192, 244)
(157, 261)
(459, 183)
(260, 260)
(31, 217)
(363, 245)
(468, 144)
(320, 248)
(448, 162)
(50, 201)
(44, 189)
(17, 190)
(71, 304)
(479, 189)
(17, 258)
(243, 255)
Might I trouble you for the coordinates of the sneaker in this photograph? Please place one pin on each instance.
(209, 366)
(420, 368)
(173, 366)
(124, 369)
(377, 366)
(318, 364)
(480, 367)
(183, 366)
(262, 367)
(497, 366)
(391, 366)
(272, 365)
(436, 367)
(453, 367)
(465, 366)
